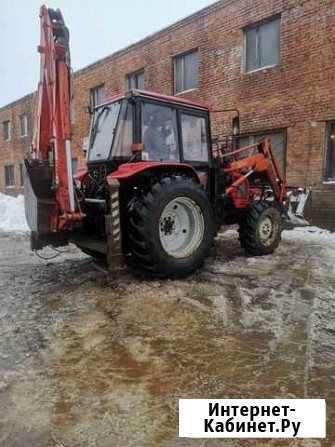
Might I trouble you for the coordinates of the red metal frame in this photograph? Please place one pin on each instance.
(128, 170)
(53, 130)
(262, 162)
(154, 95)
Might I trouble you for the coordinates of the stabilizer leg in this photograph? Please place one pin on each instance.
(115, 257)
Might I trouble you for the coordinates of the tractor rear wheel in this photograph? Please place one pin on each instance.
(171, 227)
(260, 229)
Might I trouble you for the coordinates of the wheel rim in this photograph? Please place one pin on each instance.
(181, 227)
(268, 230)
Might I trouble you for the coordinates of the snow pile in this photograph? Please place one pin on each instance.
(12, 216)
(310, 234)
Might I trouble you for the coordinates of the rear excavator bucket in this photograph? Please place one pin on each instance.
(40, 204)
(39, 197)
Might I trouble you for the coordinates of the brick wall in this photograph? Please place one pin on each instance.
(297, 95)
(13, 151)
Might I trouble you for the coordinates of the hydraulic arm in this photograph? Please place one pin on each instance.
(51, 147)
(261, 165)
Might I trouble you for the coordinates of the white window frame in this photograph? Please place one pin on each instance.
(182, 57)
(9, 123)
(25, 118)
(258, 25)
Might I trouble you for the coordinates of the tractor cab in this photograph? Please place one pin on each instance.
(148, 127)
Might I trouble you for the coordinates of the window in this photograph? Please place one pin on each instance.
(159, 132)
(123, 143)
(278, 140)
(194, 137)
(330, 152)
(186, 70)
(74, 165)
(262, 45)
(7, 130)
(24, 125)
(136, 80)
(102, 135)
(98, 95)
(21, 175)
(9, 176)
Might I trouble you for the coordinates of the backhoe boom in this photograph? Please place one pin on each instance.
(53, 130)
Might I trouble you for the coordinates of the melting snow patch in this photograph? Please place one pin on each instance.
(12, 216)
(310, 234)
(312, 230)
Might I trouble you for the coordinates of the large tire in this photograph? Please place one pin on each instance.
(171, 227)
(260, 229)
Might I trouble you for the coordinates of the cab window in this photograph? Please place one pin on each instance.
(103, 130)
(123, 142)
(194, 137)
(159, 132)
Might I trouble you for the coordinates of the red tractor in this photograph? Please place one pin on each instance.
(155, 192)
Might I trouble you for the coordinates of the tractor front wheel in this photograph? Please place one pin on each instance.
(171, 227)
(260, 229)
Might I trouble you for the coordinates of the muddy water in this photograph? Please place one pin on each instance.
(92, 360)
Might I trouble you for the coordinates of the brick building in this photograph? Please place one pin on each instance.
(272, 62)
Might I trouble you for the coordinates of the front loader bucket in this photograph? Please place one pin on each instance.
(295, 213)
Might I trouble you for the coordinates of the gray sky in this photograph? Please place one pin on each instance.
(97, 29)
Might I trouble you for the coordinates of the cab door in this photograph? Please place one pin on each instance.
(194, 136)
(195, 141)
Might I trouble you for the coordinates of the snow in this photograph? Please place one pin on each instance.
(297, 221)
(307, 234)
(310, 235)
(12, 215)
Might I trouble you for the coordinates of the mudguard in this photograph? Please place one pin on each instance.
(129, 170)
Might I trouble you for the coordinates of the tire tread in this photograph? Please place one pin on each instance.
(248, 227)
(140, 220)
